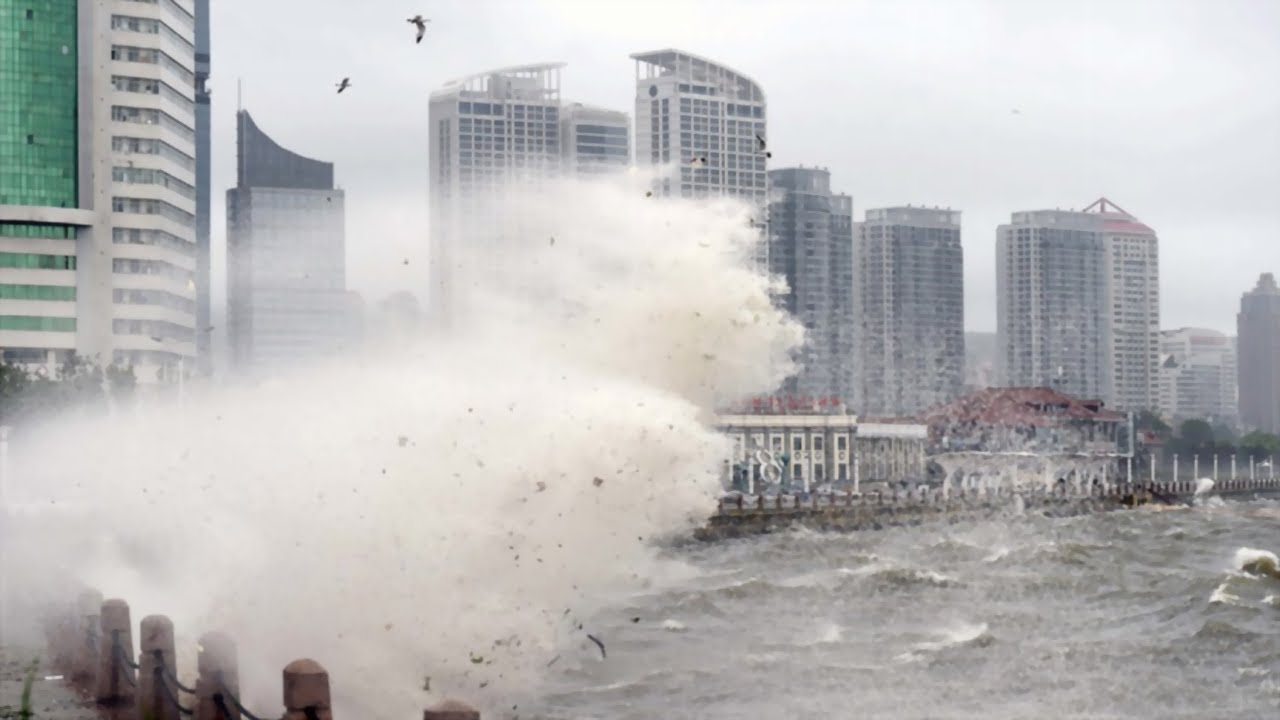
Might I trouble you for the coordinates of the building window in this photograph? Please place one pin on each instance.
(37, 323)
(817, 443)
(797, 443)
(842, 443)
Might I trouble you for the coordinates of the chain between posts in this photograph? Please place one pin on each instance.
(168, 691)
(219, 699)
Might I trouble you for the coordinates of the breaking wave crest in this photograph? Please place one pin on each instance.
(392, 515)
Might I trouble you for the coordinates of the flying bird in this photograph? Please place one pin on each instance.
(763, 147)
(698, 162)
(421, 24)
(346, 83)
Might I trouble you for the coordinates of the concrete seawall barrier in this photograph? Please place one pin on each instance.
(741, 515)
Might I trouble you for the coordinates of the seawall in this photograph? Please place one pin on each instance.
(740, 517)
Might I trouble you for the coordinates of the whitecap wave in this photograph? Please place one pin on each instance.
(1258, 563)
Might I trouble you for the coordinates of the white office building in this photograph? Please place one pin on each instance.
(97, 187)
(1133, 305)
(687, 108)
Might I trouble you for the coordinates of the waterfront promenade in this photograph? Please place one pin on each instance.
(742, 515)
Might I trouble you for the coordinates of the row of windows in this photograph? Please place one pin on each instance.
(37, 323)
(179, 12)
(143, 206)
(37, 261)
(155, 238)
(147, 86)
(154, 329)
(149, 26)
(152, 56)
(609, 130)
(509, 110)
(149, 146)
(158, 298)
(620, 152)
(37, 230)
(148, 176)
(150, 116)
(37, 292)
(598, 139)
(123, 266)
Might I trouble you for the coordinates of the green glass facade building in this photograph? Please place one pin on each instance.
(39, 169)
(38, 134)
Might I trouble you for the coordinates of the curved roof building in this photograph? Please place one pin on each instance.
(286, 257)
(690, 107)
(262, 162)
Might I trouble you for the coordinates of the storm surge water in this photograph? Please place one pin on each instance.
(454, 511)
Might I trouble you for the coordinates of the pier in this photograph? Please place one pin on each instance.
(847, 512)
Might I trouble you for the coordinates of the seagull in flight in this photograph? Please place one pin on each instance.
(346, 83)
(698, 162)
(421, 22)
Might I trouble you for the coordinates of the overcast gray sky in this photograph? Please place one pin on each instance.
(1170, 108)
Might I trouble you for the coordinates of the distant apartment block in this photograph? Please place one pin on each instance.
(594, 140)
(811, 247)
(493, 134)
(1051, 302)
(287, 302)
(1132, 332)
(909, 305)
(1197, 376)
(1258, 325)
(1078, 304)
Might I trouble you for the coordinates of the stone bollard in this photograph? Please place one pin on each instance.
(155, 638)
(451, 710)
(306, 691)
(216, 664)
(115, 681)
(84, 659)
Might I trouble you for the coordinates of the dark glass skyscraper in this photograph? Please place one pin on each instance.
(286, 257)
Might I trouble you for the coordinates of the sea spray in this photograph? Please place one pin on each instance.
(453, 511)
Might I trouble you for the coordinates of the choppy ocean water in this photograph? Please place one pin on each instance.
(1153, 613)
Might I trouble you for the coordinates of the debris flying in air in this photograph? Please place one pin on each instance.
(599, 644)
(764, 147)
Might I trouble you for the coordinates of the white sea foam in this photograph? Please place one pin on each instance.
(673, 625)
(294, 516)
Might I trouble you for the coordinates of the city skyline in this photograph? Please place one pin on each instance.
(1088, 136)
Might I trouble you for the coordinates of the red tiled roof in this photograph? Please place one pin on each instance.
(1019, 406)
